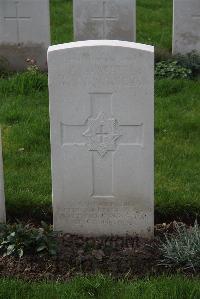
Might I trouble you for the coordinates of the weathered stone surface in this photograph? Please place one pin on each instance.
(102, 136)
(104, 19)
(186, 35)
(2, 197)
(24, 33)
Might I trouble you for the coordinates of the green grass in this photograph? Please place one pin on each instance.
(154, 22)
(25, 120)
(177, 144)
(61, 21)
(100, 287)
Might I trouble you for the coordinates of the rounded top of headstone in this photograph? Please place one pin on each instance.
(99, 43)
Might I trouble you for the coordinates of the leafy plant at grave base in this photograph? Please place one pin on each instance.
(18, 240)
(182, 250)
(190, 61)
(171, 69)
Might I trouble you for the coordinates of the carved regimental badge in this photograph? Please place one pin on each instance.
(102, 134)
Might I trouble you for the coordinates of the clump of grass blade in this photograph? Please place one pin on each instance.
(31, 80)
(182, 249)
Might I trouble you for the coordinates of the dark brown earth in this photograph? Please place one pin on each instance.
(120, 257)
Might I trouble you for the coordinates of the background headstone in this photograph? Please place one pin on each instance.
(104, 19)
(102, 136)
(186, 35)
(24, 33)
(2, 197)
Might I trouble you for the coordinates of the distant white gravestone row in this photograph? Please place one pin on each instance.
(186, 35)
(104, 19)
(102, 136)
(24, 32)
(2, 197)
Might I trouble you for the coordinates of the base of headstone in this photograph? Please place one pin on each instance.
(18, 58)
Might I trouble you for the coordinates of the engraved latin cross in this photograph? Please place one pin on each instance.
(104, 19)
(17, 19)
(102, 134)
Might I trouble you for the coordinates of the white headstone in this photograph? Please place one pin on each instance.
(2, 197)
(102, 136)
(24, 32)
(186, 35)
(104, 19)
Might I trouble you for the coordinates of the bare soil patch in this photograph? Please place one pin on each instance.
(117, 256)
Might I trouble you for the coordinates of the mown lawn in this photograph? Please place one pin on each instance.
(100, 287)
(177, 149)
